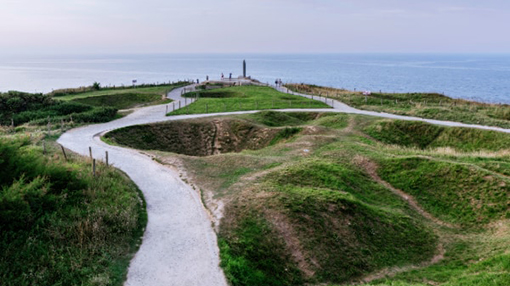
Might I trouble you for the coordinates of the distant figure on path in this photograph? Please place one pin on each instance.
(207, 78)
(276, 82)
(197, 81)
(222, 77)
(230, 76)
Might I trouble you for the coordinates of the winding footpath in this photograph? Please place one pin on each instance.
(179, 245)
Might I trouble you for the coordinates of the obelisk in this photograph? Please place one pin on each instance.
(244, 68)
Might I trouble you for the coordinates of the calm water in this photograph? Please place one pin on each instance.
(479, 77)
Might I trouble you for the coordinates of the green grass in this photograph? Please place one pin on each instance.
(140, 90)
(424, 105)
(258, 258)
(123, 100)
(424, 135)
(319, 217)
(59, 225)
(245, 98)
(453, 192)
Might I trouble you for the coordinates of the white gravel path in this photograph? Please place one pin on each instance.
(179, 245)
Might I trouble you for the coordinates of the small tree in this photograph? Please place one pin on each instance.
(96, 85)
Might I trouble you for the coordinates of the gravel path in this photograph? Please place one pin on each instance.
(179, 245)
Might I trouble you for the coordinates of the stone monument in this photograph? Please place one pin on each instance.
(244, 68)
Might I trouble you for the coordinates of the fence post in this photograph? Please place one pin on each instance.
(64, 151)
(106, 157)
(90, 152)
(94, 167)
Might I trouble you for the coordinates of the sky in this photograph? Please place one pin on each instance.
(254, 26)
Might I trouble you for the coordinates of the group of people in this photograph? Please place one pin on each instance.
(229, 76)
(278, 82)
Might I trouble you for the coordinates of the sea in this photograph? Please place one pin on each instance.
(479, 77)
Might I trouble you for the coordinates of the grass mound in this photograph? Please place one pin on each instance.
(424, 135)
(122, 100)
(59, 225)
(453, 192)
(200, 137)
(244, 98)
(317, 225)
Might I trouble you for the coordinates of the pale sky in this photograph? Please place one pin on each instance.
(249, 26)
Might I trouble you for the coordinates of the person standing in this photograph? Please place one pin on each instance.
(222, 76)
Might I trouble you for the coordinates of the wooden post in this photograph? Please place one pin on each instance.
(90, 152)
(94, 167)
(106, 157)
(64, 151)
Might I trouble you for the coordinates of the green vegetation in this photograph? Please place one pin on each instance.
(84, 105)
(18, 108)
(59, 224)
(199, 137)
(441, 188)
(97, 90)
(424, 135)
(123, 100)
(244, 98)
(316, 209)
(424, 105)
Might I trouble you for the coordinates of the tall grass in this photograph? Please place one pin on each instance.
(60, 225)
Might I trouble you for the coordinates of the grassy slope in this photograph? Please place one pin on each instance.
(123, 100)
(59, 225)
(245, 98)
(425, 105)
(326, 220)
(163, 89)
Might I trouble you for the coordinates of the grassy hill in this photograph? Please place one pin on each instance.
(424, 105)
(247, 97)
(353, 198)
(59, 224)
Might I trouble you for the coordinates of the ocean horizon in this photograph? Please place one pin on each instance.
(479, 77)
